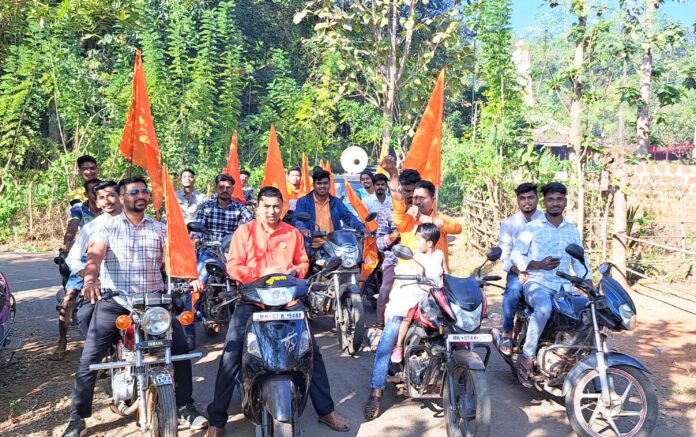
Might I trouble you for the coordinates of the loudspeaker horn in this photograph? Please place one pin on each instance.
(354, 160)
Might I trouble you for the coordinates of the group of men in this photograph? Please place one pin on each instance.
(123, 248)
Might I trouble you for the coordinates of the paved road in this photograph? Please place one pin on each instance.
(516, 411)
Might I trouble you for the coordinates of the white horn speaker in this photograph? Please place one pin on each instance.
(354, 160)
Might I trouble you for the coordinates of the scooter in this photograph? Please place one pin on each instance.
(8, 313)
(606, 392)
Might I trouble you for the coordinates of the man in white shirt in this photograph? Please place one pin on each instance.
(510, 228)
(189, 199)
(375, 201)
(540, 252)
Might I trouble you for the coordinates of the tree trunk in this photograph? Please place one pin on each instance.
(646, 67)
(392, 79)
(576, 111)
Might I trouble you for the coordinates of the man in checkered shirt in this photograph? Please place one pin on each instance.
(126, 253)
(540, 252)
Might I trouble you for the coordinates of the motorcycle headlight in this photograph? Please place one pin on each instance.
(349, 256)
(628, 317)
(276, 296)
(467, 321)
(305, 342)
(252, 344)
(156, 321)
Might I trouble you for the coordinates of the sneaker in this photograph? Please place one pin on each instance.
(189, 417)
(75, 428)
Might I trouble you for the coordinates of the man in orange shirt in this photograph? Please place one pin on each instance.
(406, 218)
(261, 247)
(294, 185)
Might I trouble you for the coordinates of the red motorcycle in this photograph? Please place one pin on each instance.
(439, 358)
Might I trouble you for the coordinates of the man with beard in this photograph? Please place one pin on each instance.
(375, 202)
(540, 251)
(126, 253)
(510, 228)
(259, 248)
(368, 188)
(327, 213)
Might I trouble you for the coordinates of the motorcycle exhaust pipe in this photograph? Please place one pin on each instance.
(120, 364)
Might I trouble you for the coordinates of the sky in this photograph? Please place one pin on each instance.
(525, 11)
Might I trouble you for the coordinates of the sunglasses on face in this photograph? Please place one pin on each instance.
(135, 191)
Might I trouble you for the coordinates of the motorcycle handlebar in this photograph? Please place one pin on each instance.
(573, 279)
(491, 278)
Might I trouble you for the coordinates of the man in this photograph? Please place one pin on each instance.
(189, 199)
(294, 183)
(108, 200)
(407, 218)
(388, 236)
(368, 187)
(375, 202)
(131, 247)
(248, 191)
(80, 215)
(540, 252)
(327, 213)
(265, 246)
(88, 169)
(510, 228)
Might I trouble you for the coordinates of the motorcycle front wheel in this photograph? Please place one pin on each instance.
(471, 415)
(632, 410)
(161, 407)
(282, 429)
(351, 331)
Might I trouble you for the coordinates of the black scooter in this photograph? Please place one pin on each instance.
(277, 355)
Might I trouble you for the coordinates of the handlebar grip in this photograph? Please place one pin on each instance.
(572, 279)
(491, 278)
(318, 234)
(407, 277)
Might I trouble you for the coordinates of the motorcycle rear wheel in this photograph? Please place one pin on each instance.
(162, 410)
(629, 385)
(351, 331)
(472, 415)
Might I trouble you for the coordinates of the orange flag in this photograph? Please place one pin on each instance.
(424, 153)
(232, 169)
(306, 178)
(359, 207)
(327, 166)
(139, 142)
(370, 257)
(274, 173)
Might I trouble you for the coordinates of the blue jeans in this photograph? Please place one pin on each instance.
(538, 297)
(384, 349)
(511, 299)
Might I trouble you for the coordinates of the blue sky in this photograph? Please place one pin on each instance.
(524, 12)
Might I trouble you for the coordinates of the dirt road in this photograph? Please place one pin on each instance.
(35, 392)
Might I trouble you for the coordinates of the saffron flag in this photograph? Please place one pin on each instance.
(232, 169)
(424, 153)
(306, 177)
(370, 253)
(359, 207)
(274, 172)
(327, 166)
(139, 142)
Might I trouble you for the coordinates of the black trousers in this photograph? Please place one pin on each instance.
(84, 316)
(384, 291)
(231, 363)
(100, 336)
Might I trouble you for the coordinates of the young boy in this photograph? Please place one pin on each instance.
(408, 296)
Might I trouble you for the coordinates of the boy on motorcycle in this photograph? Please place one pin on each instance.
(540, 251)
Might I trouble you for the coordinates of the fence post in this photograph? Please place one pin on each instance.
(618, 244)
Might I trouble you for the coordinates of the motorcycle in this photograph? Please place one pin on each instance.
(139, 367)
(277, 356)
(439, 348)
(8, 313)
(209, 308)
(336, 292)
(606, 392)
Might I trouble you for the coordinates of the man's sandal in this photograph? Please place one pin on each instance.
(335, 422)
(373, 407)
(524, 371)
(505, 345)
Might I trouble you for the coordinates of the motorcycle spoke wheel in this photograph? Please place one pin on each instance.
(471, 416)
(162, 411)
(632, 410)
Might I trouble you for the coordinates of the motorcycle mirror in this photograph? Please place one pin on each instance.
(195, 227)
(494, 254)
(576, 252)
(402, 252)
(216, 268)
(371, 216)
(332, 264)
(301, 216)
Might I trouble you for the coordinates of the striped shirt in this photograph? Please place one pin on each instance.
(540, 239)
(134, 254)
(385, 226)
(221, 222)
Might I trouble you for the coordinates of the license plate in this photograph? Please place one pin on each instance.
(469, 338)
(163, 379)
(278, 315)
